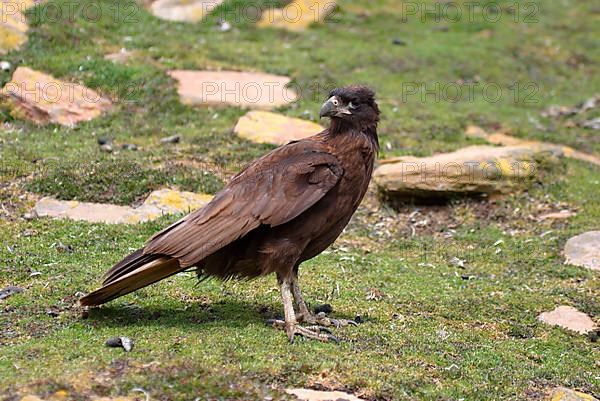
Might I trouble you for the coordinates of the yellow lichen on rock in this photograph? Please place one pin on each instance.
(13, 26)
(502, 139)
(565, 394)
(298, 15)
(277, 129)
(171, 201)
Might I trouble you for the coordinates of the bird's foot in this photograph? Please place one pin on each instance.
(323, 320)
(314, 332)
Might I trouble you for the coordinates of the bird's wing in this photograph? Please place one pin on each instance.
(271, 191)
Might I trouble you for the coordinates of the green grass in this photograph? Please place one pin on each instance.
(430, 335)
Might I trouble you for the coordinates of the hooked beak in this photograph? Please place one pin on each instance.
(333, 108)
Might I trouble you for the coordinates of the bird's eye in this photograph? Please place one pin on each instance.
(353, 105)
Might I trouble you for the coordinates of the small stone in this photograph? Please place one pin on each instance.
(224, 26)
(314, 395)
(107, 147)
(592, 124)
(297, 15)
(124, 342)
(565, 394)
(399, 42)
(569, 318)
(104, 141)
(171, 139)
(183, 10)
(52, 312)
(5, 65)
(562, 215)
(64, 248)
(325, 308)
(129, 146)
(458, 262)
(267, 127)
(30, 215)
(122, 56)
(10, 291)
(584, 250)
(232, 88)
(31, 398)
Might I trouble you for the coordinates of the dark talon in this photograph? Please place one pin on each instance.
(333, 338)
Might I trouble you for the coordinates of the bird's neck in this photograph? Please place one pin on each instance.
(342, 127)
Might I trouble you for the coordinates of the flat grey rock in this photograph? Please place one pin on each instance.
(164, 201)
(254, 90)
(569, 318)
(584, 250)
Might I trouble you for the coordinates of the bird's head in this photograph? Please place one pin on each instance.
(352, 105)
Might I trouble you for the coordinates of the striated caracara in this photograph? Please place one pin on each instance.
(284, 208)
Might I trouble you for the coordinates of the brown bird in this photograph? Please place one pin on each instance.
(284, 208)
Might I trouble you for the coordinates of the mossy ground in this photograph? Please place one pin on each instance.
(431, 330)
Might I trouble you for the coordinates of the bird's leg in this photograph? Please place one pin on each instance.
(290, 324)
(320, 318)
(304, 314)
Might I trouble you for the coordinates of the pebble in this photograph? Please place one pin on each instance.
(124, 342)
(171, 139)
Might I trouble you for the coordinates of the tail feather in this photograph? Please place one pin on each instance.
(132, 273)
(127, 265)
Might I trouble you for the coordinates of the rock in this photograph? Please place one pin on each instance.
(297, 15)
(569, 318)
(562, 215)
(232, 88)
(171, 139)
(592, 124)
(13, 24)
(223, 25)
(314, 395)
(325, 308)
(45, 99)
(565, 394)
(124, 342)
(122, 56)
(267, 127)
(129, 146)
(171, 201)
(183, 10)
(560, 111)
(164, 201)
(63, 395)
(107, 147)
(469, 171)
(584, 250)
(500, 138)
(10, 291)
(5, 65)
(31, 398)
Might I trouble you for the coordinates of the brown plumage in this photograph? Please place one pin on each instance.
(284, 208)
